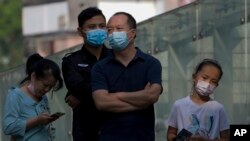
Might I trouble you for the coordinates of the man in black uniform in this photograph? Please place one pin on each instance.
(76, 68)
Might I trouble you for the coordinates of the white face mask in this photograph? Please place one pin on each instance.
(204, 88)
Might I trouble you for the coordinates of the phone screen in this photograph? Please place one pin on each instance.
(57, 114)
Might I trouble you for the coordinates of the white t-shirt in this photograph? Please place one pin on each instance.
(206, 120)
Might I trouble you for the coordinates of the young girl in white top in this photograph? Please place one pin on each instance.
(198, 113)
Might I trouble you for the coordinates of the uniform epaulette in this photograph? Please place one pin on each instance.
(67, 55)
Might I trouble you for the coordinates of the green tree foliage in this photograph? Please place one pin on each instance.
(11, 39)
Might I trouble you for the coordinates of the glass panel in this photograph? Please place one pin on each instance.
(216, 30)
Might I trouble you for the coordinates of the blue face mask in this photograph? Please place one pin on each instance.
(118, 40)
(96, 37)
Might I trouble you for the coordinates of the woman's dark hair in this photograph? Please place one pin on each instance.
(41, 67)
(87, 14)
(205, 62)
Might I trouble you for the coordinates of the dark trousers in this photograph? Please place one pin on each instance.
(127, 133)
(84, 129)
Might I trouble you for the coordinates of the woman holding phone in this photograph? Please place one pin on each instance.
(26, 111)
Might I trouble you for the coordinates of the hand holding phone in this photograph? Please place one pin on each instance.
(57, 114)
(183, 134)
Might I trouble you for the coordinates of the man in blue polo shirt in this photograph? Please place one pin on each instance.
(125, 85)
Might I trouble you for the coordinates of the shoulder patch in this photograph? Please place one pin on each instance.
(68, 54)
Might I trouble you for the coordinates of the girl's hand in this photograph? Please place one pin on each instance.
(196, 138)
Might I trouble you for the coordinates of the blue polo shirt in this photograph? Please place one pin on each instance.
(111, 75)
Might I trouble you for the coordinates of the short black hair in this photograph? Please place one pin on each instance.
(87, 14)
(131, 20)
(207, 61)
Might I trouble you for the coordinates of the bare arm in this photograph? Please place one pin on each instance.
(142, 98)
(171, 133)
(110, 102)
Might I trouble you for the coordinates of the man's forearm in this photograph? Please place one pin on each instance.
(138, 98)
(142, 98)
(110, 102)
(119, 107)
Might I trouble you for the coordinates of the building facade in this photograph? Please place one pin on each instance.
(50, 26)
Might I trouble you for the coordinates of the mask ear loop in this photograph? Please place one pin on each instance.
(81, 32)
(106, 44)
(129, 40)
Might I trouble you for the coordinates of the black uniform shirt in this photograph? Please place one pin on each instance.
(76, 69)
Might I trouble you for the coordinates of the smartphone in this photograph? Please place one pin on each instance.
(183, 134)
(57, 114)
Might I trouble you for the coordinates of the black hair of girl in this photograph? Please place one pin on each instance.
(207, 61)
(42, 66)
